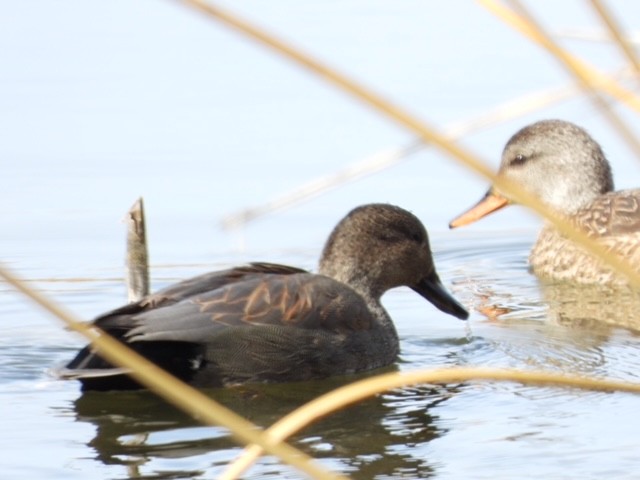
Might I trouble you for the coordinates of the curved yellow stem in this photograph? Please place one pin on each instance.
(358, 391)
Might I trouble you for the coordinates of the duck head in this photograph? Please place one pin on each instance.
(554, 160)
(378, 247)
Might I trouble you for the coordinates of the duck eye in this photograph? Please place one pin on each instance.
(387, 237)
(518, 159)
(398, 236)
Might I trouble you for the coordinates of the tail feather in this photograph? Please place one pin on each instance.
(79, 374)
(88, 359)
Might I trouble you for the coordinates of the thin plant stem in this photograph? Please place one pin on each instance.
(616, 32)
(363, 389)
(587, 72)
(585, 76)
(385, 159)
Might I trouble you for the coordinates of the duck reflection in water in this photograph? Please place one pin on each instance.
(377, 437)
(597, 307)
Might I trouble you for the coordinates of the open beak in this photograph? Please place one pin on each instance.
(431, 289)
(489, 203)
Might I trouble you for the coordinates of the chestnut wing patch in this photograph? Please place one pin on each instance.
(299, 300)
(201, 284)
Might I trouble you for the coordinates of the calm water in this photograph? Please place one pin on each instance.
(453, 431)
(104, 101)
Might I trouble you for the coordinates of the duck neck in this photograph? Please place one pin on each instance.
(586, 186)
(386, 335)
(361, 282)
(572, 201)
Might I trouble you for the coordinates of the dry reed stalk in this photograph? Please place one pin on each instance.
(616, 33)
(370, 165)
(137, 253)
(580, 70)
(592, 35)
(426, 133)
(587, 72)
(363, 389)
(382, 160)
(188, 399)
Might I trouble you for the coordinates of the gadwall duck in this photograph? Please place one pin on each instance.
(561, 164)
(274, 323)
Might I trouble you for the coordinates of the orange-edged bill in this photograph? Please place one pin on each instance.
(489, 203)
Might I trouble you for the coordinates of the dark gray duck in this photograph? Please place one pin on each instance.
(274, 323)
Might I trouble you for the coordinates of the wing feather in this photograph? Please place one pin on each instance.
(613, 214)
(299, 300)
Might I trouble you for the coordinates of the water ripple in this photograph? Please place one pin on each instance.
(447, 431)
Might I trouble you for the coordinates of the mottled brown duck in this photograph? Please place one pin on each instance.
(275, 323)
(562, 165)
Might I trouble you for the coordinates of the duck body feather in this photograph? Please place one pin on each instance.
(260, 322)
(613, 219)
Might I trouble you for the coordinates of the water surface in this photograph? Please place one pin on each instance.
(446, 431)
